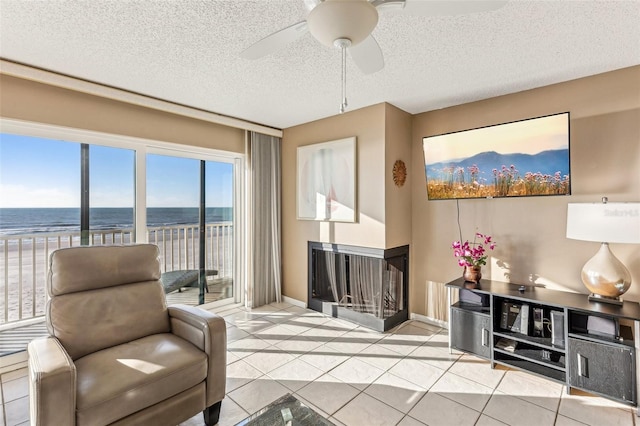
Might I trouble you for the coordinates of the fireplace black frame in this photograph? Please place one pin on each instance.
(400, 258)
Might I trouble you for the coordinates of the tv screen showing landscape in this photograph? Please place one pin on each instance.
(519, 159)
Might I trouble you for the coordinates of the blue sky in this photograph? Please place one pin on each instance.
(37, 172)
(526, 137)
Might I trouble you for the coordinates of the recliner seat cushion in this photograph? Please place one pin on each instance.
(121, 380)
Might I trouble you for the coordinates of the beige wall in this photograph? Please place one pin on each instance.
(530, 232)
(31, 101)
(397, 199)
(367, 125)
(383, 135)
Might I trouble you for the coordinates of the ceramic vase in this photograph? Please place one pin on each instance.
(472, 274)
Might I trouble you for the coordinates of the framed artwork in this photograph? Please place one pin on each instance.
(326, 181)
(523, 158)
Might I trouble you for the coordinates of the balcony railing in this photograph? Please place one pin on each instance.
(24, 260)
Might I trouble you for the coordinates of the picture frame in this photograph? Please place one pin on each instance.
(326, 181)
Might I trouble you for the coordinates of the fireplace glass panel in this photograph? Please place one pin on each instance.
(365, 284)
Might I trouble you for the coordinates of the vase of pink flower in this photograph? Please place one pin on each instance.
(472, 256)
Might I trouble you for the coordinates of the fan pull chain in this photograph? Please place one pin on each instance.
(343, 44)
(343, 106)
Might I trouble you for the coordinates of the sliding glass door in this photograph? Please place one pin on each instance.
(190, 216)
(172, 223)
(220, 226)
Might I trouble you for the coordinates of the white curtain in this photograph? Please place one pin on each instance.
(330, 262)
(263, 202)
(366, 285)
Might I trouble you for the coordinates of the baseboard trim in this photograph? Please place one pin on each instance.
(294, 302)
(429, 320)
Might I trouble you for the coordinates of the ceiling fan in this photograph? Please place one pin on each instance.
(348, 24)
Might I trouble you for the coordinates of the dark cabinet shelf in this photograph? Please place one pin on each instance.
(542, 342)
(603, 339)
(586, 358)
(536, 356)
(625, 339)
(523, 364)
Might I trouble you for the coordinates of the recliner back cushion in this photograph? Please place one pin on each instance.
(88, 268)
(105, 308)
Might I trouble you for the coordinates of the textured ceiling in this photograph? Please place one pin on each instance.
(188, 52)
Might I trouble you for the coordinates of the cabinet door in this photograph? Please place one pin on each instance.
(605, 369)
(471, 332)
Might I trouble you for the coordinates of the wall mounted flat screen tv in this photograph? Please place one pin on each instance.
(519, 159)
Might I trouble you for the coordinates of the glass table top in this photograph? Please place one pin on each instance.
(286, 411)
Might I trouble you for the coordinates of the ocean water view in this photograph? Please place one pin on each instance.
(18, 221)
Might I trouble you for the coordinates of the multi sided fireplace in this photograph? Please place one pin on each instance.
(360, 284)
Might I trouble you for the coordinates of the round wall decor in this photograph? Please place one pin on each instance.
(399, 173)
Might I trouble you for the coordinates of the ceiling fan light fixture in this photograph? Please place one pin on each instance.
(342, 19)
(342, 43)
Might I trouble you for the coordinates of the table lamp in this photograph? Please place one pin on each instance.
(604, 275)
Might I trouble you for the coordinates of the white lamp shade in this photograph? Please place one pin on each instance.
(335, 19)
(604, 223)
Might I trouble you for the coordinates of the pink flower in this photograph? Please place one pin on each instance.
(473, 254)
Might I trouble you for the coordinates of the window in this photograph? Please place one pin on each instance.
(97, 189)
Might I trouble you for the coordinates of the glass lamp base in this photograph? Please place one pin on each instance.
(605, 276)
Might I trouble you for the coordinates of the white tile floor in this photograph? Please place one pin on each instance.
(357, 377)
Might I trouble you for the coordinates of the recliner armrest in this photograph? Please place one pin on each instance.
(52, 383)
(208, 332)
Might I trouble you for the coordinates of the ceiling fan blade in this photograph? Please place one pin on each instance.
(444, 8)
(367, 55)
(387, 4)
(311, 4)
(275, 41)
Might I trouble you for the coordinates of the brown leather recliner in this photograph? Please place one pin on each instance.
(116, 353)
